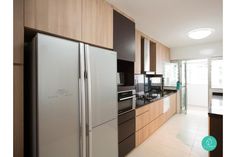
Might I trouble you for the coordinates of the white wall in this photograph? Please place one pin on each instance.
(201, 51)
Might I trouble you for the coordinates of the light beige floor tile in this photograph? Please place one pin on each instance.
(179, 137)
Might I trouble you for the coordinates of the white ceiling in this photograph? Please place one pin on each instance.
(169, 21)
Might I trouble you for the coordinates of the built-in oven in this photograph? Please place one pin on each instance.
(126, 101)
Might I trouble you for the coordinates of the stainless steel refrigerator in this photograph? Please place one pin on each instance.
(73, 99)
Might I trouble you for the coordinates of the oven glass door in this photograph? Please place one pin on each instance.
(125, 105)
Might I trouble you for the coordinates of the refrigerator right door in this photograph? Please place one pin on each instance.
(101, 67)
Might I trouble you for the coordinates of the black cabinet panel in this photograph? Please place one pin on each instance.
(125, 117)
(127, 69)
(127, 145)
(216, 130)
(126, 129)
(123, 37)
(126, 132)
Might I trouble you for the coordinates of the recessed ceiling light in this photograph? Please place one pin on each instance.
(200, 33)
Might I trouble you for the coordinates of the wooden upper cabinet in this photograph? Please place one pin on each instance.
(137, 63)
(159, 67)
(97, 25)
(59, 17)
(90, 21)
(166, 54)
(162, 57)
(152, 56)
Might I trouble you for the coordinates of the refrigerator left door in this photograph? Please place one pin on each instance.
(58, 109)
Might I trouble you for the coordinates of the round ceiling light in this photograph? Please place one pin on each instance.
(200, 33)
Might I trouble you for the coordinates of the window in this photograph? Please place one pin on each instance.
(217, 74)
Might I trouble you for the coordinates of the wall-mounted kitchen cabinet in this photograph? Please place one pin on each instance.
(152, 56)
(62, 18)
(90, 21)
(162, 57)
(97, 23)
(123, 37)
(158, 55)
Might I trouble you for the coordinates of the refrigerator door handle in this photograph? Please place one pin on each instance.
(88, 102)
(83, 101)
(80, 120)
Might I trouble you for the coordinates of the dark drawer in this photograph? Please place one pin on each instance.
(126, 129)
(126, 116)
(127, 145)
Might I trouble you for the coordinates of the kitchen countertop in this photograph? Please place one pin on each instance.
(216, 107)
(143, 102)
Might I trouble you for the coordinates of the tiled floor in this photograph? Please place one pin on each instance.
(179, 137)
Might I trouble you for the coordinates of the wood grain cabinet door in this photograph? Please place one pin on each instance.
(18, 102)
(124, 37)
(60, 17)
(142, 135)
(159, 61)
(173, 103)
(97, 23)
(156, 109)
(162, 57)
(142, 120)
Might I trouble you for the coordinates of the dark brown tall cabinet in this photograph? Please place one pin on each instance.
(124, 45)
(123, 37)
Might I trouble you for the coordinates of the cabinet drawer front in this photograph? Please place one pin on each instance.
(156, 109)
(154, 125)
(125, 117)
(141, 110)
(126, 146)
(126, 129)
(142, 120)
(142, 135)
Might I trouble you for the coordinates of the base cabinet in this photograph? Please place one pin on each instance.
(151, 117)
